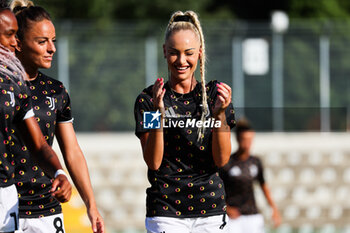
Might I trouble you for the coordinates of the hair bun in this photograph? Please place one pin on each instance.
(185, 18)
(18, 5)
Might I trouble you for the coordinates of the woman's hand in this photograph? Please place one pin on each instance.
(96, 220)
(223, 99)
(158, 94)
(61, 189)
(276, 218)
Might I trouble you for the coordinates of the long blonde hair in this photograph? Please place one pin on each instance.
(189, 21)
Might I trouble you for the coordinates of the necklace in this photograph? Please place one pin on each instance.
(174, 96)
(174, 93)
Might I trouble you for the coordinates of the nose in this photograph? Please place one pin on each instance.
(13, 41)
(51, 48)
(182, 59)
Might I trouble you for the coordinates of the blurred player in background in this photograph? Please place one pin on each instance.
(186, 193)
(16, 110)
(38, 211)
(238, 176)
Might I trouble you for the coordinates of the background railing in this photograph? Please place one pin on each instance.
(302, 85)
(105, 68)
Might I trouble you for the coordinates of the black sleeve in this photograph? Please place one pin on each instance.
(212, 91)
(64, 114)
(230, 116)
(260, 176)
(24, 102)
(143, 104)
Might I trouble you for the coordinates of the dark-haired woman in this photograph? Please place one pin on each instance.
(16, 111)
(36, 47)
(239, 175)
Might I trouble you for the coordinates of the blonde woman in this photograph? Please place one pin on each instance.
(193, 141)
(36, 48)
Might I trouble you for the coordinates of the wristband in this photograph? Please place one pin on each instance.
(60, 172)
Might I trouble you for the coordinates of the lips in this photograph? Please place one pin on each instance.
(48, 58)
(182, 69)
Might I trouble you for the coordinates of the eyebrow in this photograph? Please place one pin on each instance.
(42, 37)
(185, 49)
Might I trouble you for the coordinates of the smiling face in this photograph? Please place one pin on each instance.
(182, 51)
(38, 46)
(8, 29)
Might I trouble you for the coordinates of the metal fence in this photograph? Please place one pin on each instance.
(296, 81)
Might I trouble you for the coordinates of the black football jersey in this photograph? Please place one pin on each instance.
(15, 106)
(51, 106)
(238, 177)
(187, 184)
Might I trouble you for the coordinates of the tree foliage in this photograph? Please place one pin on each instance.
(161, 9)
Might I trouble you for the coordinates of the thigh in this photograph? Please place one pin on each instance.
(166, 225)
(49, 224)
(253, 223)
(8, 209)
(212, 224)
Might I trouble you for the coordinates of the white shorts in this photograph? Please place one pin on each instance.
(49, 224)
(212, 224)
(8, 209)
(247, 223)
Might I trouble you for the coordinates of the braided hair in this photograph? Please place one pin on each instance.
(10, 66)
(189, 21)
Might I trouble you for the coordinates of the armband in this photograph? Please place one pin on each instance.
(60, 172)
